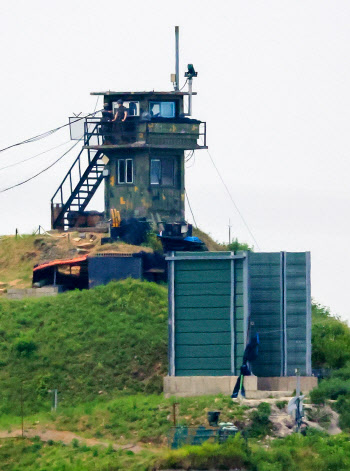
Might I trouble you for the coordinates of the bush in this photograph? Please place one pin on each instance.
(25, 348)
(281, 404)
(319, 415)
(330, 339)
(330, 389)
(260, 421)
(230, 455)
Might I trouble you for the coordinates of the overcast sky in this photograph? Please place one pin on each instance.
(273, 86)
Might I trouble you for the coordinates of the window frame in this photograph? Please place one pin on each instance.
(126, 103)
(125, 182)
(160, 102)
(161, 160)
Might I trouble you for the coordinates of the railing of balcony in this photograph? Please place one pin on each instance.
(98, 132)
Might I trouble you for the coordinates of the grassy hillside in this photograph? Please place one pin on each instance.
(18, 255)
(294, 453)
(85, 344)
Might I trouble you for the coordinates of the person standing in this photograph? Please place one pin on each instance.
(119, 118)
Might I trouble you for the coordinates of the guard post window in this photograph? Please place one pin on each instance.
(125, 171)
(162, 172)
(162, 109)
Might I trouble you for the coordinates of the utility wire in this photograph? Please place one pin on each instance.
(47, 133)
(34, 156)
(42, 171)
(233, 201)
(98, 97)
(189, 205)
(184, 85)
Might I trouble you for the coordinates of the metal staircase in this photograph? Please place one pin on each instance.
(78, 186)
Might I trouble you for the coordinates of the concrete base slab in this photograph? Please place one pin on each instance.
(20, 293)
(268, 394)
(256, 388)
(287, 383)
(185, 386)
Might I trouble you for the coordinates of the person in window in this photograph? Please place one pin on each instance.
(119, 118)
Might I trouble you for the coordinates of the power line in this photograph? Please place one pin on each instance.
(34, 156)
(189, 205)
(233, 202)
(47, 133)
(183, 86)
(42, 171)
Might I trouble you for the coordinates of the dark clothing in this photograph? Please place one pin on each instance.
(121, 112)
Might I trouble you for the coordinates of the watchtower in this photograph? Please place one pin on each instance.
(142, 159)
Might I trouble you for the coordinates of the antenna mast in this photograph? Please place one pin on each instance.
(177, 59)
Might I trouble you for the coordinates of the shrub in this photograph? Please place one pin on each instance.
(281, 404)
(319, 415)
(25, 348)
(260, 421)
(232, 454)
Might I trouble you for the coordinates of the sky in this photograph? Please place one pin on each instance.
(273, 87)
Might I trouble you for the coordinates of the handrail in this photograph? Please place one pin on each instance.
(135, 121)
(75, 161)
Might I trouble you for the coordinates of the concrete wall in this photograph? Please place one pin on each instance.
(184, 386)
(287, 383)
(18, 293)
(256, 388)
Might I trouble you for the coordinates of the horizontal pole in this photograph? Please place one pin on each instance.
(203, 257)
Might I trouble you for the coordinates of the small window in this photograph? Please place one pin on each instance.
(162, 172)
(163, 109)
(133, 107)
(125, 171)
(155, 172)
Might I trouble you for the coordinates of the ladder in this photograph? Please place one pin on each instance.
(77, 187)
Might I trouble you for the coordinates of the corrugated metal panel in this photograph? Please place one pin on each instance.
(266, 294)
(281, 312)
(296, 306)
(216, 301)
(102, 270)
(203, 341)
(208, 338)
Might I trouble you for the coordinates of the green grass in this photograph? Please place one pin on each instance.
(17, 258)
(130, 418)
(16, 455)
(86, 344)
(293, 453)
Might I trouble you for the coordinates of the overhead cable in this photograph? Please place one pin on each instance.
(233, 202)
(42, 171)
(34, 156)
(189, 205)
(47, 133)
(184, 85)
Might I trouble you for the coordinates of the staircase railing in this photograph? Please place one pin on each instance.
(75, 178)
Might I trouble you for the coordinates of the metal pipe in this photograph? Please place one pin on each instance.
(190, 97)
(177, 73)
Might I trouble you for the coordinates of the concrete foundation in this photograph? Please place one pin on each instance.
(18, 293)
(287, 383)
(185, 386)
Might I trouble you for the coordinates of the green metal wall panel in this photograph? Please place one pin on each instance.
(281, 312)
(296, 316)
(217, 301)
(208, 288)
(266, 311)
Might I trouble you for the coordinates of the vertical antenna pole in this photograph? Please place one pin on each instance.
(190, 96)
(177, 73)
